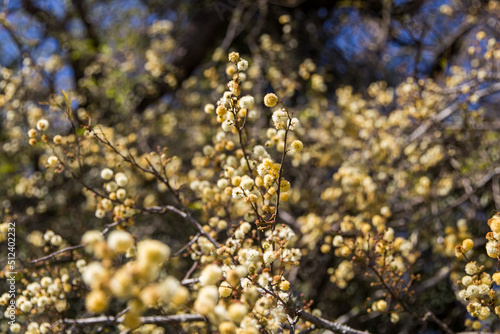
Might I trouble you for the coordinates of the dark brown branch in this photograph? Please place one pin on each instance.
(334, 327)
(186, 246)
(159, 209)
(61, 251)
(179, 318)
(396, 296)
(462, 199)
(448, 111)
(185, 215)
(280, 172)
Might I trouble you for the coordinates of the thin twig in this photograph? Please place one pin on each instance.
(61, 251)
(448, 111)
(186, 246)
(171, 208)
(334, 327)
(280, 172)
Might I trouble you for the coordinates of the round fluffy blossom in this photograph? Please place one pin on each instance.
(486, 279)
(210, 275)
(483, 313)
(242, 65)
(121, 194)
(260, 151)
(106, 174)
(26, 306)
(294, 123)
(380, 305)
(45, 328)
(237, 312)
(100, 213)
(494, 223)
(96, 301)
(15, 328)
(121, 179)
(284, 285)
(234, 56)
(280, 118)
(122, 283)
(238, 193)
(52, 160)
(222, 183)
(493, 248)
(227, 125)
(472, 290)
(209, 108)
(221, 110)
(227, 327)
(149, 295)
(247, 183)
(269, 256)
(296, 146)
(484, 289)
(467, 245)
(93, 274)
(56, 240)
(111, 186)
(206, 300)
(471, 268)
(270, 100)
(42, 125)
(466, 280)
(225, 289)
(463, 294)
(152, 251)
(337, 241)
(496, 278)
(245, 227)
(32, 133)
(46, 281)
(92, 237)
(247, 102)
(120, 241)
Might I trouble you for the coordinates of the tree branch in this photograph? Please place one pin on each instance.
(334, 327)
(448, 111)
(178, 318)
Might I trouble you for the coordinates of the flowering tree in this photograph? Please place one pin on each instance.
(154, 183)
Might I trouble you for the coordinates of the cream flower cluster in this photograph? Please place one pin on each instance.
(478, 286)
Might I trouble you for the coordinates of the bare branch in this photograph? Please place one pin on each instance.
(178, 318)
(448, 111)
(333, 326)
(187, 216)
(61, 251)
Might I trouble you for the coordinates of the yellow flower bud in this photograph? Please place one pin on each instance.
(467, 245)
(270, 100)
(96, 301)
